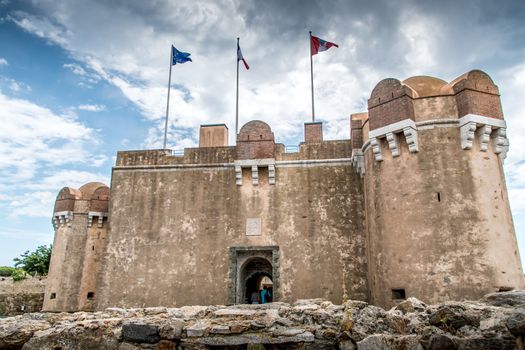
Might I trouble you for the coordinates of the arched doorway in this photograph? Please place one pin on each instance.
(250, 267)
(252, 274)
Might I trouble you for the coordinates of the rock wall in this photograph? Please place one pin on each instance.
(495, 322)
(21, 297)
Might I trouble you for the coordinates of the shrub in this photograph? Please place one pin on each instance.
(36, 262)
(6, 271)
(18, 275)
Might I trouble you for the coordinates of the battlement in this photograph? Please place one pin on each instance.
(398, 111)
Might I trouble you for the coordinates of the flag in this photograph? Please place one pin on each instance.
(179, 57)
(240, 58)
(317, 45)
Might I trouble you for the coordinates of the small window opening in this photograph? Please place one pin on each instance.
(260, 136)
(53, 296)
(93, 247)
(505, 289)
(439, 196)
(379, 99)
(91, 295)
(398, 293)
(248, 137)
(392, 95)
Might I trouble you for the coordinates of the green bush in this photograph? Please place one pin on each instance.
(18, 275)
(6, 271)
(36, 262)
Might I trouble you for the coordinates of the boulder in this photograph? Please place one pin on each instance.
(140, 333)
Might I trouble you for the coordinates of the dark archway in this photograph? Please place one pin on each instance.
(251, 274)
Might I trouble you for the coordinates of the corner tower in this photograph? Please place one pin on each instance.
(80, 222)
(439, 226)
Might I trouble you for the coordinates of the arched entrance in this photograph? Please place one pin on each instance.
(253, 272)
(252, 268)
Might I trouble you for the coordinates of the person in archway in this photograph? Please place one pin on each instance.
(254, 297)
(265, 295)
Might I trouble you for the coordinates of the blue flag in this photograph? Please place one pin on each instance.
(179, 57)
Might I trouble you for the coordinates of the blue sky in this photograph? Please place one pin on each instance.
(80, 80)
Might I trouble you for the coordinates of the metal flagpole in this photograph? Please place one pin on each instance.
(237, 95)
(168, 103)
(312, 77)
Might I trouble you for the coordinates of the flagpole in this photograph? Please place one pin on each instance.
(312, 77)
(237, 95)
(168, 102)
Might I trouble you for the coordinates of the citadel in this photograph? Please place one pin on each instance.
(414, 204)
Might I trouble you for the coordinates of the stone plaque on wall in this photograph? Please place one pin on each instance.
(253, 227)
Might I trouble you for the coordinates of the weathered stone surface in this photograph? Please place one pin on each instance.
(306, 325)
(511, 298)
(410, 305)
(453, 316)
(441, 342)
(516, 323)
(140, 333)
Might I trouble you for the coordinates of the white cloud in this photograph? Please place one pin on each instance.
(3, 62)
(75, 68)
(34, 140)
(16, 86)
(92, 108)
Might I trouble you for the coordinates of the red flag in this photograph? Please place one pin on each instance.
(318, 45)
(240, 58)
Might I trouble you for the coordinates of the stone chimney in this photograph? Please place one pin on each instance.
(213, 135)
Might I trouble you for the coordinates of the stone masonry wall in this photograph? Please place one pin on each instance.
(495, 322)
(171, 230)
(21, 297)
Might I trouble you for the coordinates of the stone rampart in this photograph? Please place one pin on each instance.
(495, 322)
(21, 297)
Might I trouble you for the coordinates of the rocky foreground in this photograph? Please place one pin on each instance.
(495, 322)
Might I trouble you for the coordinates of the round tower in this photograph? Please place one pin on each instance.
(78, 243)
(438, 218)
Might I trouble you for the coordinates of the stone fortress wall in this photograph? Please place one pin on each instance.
(415, 204)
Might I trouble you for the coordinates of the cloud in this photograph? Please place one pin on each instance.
(92, 108)
(34, 141)
(3, 62)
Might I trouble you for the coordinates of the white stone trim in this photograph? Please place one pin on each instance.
(501, 142)
(485, 128)
(100, 215)
(247, 163)
(411, 139)
(271, 174)
(392, 128)
(437, 123)
(407, 127)
(238, 175)
(255, 175)
(484, 137)
(358, 161)
(467, 135)
(479, 119)
(62, 218)
(393, 143)
(376, 149)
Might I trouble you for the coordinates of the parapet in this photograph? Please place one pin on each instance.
(92, 199)
(255, 141)
(397, 110)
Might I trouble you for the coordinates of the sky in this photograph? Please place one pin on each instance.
(80, 80)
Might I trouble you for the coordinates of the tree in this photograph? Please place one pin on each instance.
(36, 262)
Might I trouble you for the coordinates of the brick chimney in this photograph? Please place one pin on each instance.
(313, 132)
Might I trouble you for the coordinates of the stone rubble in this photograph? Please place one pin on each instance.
(497, 321)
